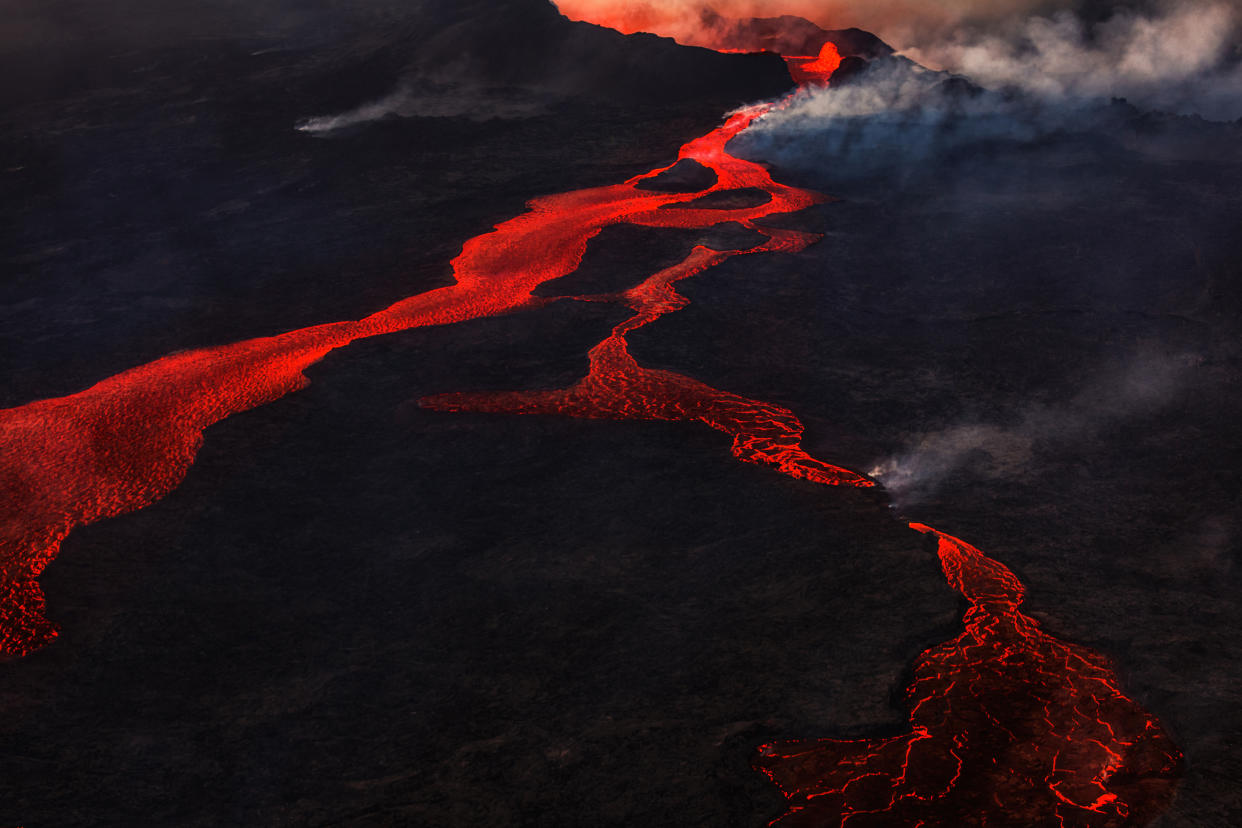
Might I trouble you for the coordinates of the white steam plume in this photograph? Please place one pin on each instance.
(1182, 58)
(1147, 384)
(433, 101)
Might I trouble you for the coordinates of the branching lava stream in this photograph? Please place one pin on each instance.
(1008, 725)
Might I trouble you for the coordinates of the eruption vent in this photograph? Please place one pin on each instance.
(815, 70)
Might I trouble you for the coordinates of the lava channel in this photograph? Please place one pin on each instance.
(127, 441)
(1009, 726)
(618, 388)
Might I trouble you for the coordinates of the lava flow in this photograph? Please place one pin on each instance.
(1008, 725)
(617, 387)
(127, 441)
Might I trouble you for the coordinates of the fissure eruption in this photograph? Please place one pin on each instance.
(1008, 725)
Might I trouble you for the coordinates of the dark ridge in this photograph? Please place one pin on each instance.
(790, 35)
(726, 200)
(959, 87)
(731, 236)
(854, 42)
(851, 67)
(686, 176)
(896, 71)
(527, 43)
(329, 56)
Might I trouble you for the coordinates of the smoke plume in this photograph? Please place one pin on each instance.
(895, 121)
(903, 23)
(1142, 387)
(1181, 56)
(887, 18)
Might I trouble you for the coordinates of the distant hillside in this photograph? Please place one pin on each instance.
(336, 55)
(789, 35)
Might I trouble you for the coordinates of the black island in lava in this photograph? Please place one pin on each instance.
(476, 413)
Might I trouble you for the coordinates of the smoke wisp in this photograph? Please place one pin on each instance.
(1148, 383)
(430, 101)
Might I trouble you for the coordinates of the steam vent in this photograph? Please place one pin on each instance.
(610, 414)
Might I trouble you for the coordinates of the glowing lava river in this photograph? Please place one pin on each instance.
(1007, 724)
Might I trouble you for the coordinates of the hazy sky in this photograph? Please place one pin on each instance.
(901, 22)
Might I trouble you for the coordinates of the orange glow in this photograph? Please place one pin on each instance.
(626, 18)
(688, 21)
(815, 70)
(685, 25)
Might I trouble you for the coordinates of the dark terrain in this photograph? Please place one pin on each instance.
(358, 612)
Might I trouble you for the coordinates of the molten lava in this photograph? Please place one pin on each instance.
(815, 71)
(618, 388)
(129, 440)
(1008, 725)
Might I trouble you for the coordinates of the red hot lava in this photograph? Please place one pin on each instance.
(127, 441)
(1009, 725)
(617, 387)
(815, 71)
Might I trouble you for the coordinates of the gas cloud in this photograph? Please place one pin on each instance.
(1180, 56)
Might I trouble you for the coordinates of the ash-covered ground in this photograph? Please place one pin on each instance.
(358, 612)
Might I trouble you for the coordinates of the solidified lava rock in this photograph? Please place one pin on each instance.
(686, 176)
(726, 200)
(958, 88)
(851, 67)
